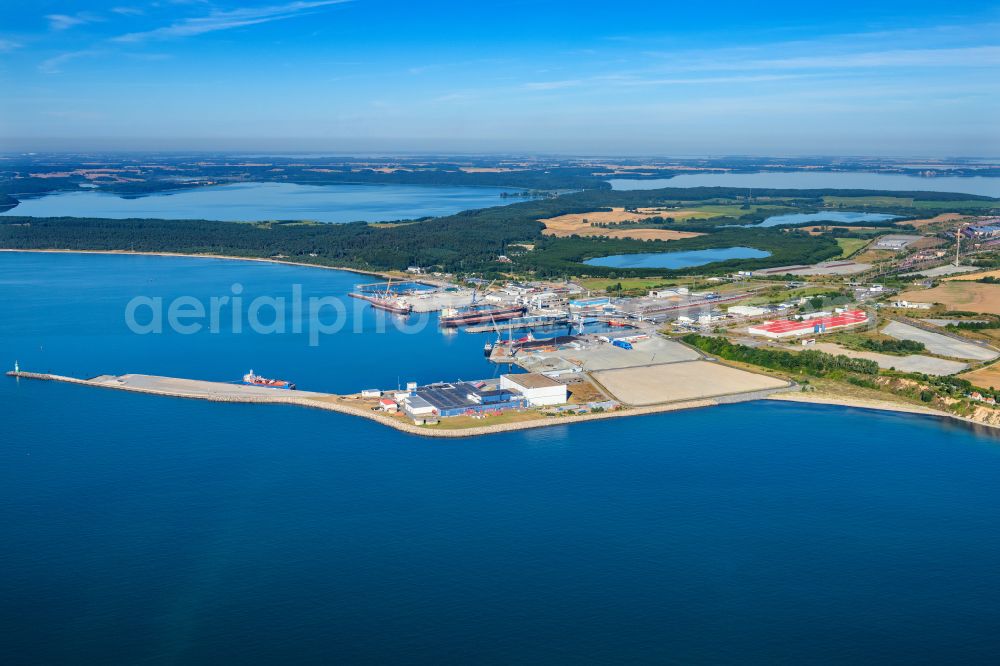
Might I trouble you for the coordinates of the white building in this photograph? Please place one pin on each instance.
(910, 305)
(747, 310)
(419, 409)
(540, 390)
(668, 293)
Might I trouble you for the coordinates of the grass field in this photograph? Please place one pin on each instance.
(849, 246)
(734, 210)
(461, 422)
(969, 296)
(905, 202)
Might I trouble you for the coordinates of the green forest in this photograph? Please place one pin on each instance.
(810, 362)
(469, 241)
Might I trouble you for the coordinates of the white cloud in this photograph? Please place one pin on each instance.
(7, 45)
(54, 64)
(227, 20)
(552, 85)
(954, 57)
(66, 21)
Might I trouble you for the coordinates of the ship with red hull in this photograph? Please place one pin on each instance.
(478, 314)
(387, 303)
(251, 379)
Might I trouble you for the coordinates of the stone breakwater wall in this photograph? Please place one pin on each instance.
(286, 398)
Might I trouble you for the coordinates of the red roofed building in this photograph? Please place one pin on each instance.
(787, 328)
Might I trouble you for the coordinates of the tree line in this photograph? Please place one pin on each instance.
(810, 362)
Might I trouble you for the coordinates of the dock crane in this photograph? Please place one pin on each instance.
(475, 290)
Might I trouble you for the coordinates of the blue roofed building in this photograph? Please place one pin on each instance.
(456, 399)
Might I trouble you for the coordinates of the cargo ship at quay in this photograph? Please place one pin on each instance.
(251, 379)
(478, 314)
(387, 303)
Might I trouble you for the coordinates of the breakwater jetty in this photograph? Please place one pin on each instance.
(352, 405)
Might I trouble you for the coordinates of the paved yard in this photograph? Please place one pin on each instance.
(670, 382)
(644, 352)
(941, 344)
(928, 365)
(196, 388)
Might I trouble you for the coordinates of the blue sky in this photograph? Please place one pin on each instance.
(643, 78)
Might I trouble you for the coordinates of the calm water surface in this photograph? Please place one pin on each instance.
(841, 217)
(816, 180)
(677, 259)
(271, 201)
(149, 530)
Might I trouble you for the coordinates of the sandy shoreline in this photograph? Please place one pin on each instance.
(227, 257)
(879, 405)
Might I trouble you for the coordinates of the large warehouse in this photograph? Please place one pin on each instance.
(786, 328)
(540, 390)
(445, 399)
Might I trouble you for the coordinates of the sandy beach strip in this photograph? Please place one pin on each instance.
(266, 260)
(879, 405)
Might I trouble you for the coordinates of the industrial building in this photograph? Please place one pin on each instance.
(747, 310)
(895, 242)
(982, 231)
(597, 303)
(785, 328)
(444, 399)
(538, 389)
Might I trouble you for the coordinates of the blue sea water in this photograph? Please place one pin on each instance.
(681, 259)
(140, 530)
(247, 202)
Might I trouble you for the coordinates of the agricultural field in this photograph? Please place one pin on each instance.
(842, 202)
(958, 295)
(988, 377)
(905, 202)
(972, 277)
(939, 219)
(582, 224)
